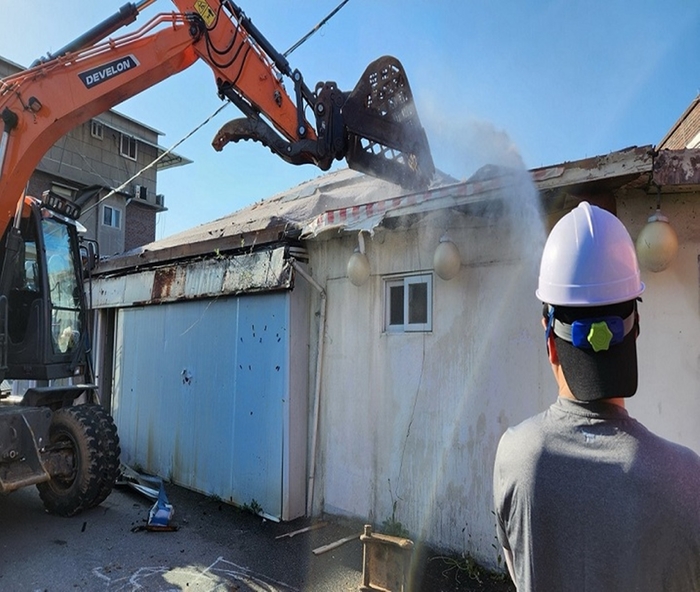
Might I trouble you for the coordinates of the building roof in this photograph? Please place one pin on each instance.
(345, 200)
(280, 217)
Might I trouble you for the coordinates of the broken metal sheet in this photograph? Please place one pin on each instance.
(161, 513)
(146, 485)
(370, 215)
(252, 272)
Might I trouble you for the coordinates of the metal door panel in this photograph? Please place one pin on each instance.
(201, 391)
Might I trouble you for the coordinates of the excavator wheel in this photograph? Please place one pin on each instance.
(109, 451)
(75, 434)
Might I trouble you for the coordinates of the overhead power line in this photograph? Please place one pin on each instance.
(155, 161)
(316, 28)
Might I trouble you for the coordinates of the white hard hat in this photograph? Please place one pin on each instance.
(589, 260)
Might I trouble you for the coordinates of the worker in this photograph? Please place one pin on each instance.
(587, 499)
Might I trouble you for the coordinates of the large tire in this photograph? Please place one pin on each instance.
(109, 452)
(76, 432)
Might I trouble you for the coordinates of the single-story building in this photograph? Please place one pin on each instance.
(313, 354)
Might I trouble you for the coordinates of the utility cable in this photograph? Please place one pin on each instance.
(316, 28)
(155, 161)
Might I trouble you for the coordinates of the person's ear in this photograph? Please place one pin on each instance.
(552, 349)
(551, 345)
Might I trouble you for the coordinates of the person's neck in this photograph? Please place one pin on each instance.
(567, 394)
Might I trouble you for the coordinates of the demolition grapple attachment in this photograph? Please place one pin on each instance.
(384, 135)
(375, 128)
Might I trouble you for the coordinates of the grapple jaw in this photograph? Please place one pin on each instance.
(384, 134)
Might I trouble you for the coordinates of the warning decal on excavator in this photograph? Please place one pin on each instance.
(205, 11)
(107, 71)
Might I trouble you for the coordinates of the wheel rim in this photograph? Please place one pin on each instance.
(65, 443)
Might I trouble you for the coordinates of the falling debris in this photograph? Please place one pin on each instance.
(161, 513)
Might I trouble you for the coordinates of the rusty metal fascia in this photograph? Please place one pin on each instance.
(260, 271)
(677, 169)
(186, 250)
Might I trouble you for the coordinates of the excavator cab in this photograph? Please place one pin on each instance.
(42, 318)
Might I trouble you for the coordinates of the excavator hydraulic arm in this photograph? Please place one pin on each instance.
(375, 127)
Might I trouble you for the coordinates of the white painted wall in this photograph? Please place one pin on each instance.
(411, 421)
(668, 399)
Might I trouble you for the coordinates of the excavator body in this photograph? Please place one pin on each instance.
(69, 450)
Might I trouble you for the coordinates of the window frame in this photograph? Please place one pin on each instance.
(131, 151)
(97, 129)
(406, 281)
(114, 210)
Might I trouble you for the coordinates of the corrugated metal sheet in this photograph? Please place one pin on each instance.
(202, 396)
(260, 271)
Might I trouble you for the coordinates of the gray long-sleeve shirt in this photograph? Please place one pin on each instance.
(589, 500)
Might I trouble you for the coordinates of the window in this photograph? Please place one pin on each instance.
(96, 129)
(408, 303)
(111, 217)
(128, 147)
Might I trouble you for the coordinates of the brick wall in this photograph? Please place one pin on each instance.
(686, 129)
(140, 225)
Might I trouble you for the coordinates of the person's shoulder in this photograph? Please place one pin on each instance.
(674, 450)
(666, 453)
(526, 435)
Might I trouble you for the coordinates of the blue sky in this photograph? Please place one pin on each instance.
(495, 81)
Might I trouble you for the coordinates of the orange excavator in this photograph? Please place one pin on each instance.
(71, 451)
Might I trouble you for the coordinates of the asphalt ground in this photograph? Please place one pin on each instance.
(216, 547)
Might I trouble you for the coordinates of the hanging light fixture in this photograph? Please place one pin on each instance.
(657, 243)
(447, 261)
(358, 264)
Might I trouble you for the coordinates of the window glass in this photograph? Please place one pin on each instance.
(96, 129)
(64, 290)
(111, 217)
(396, 305)
(418, 303)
